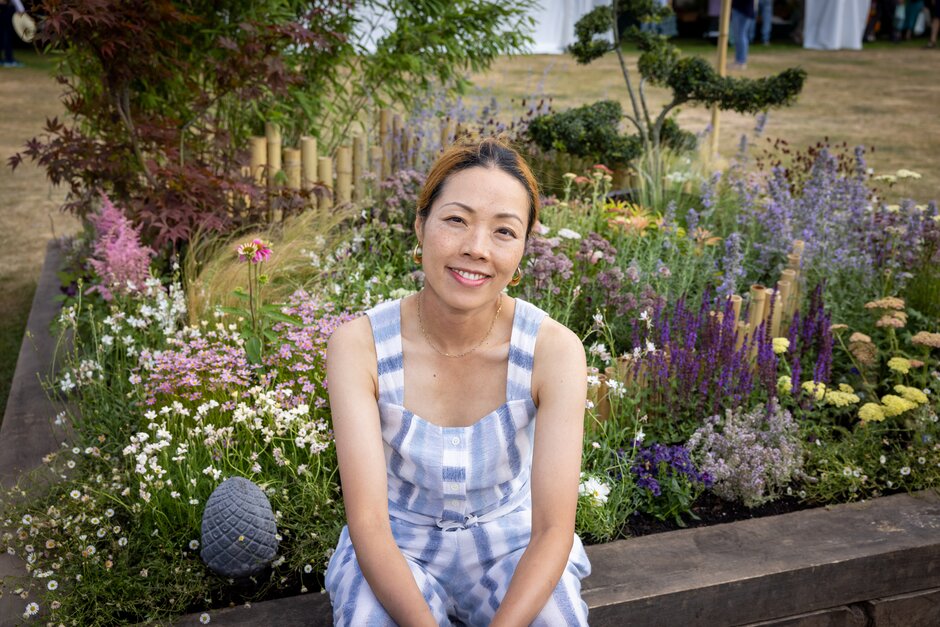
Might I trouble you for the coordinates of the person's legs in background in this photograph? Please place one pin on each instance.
(6, 33)
(739, 27)
(884, 13)
(765, 9)
(912, 9)
(934, 23)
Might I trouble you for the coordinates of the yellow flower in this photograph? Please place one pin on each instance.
(899, 364)
(818, 390)
(845, 387)
(871, 412)
(785, 384)
(911, 394)
(781, 344)
(904, 173)
(840, 399)
(895, 405)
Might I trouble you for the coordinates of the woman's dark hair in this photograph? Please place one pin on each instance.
(486, 153)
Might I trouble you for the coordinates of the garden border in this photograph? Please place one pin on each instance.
(870, 563)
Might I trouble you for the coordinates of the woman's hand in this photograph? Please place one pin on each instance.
(353, 385)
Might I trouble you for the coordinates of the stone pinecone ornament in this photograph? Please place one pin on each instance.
(239, 535)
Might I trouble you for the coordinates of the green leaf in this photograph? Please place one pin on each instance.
(253, 350)
(236, 311)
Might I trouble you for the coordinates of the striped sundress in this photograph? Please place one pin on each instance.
(459, 498)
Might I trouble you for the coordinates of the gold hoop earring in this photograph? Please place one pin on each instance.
(416, 254)
(516, 277)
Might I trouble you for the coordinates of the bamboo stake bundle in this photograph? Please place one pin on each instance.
(344, 171)
(259, 158)
(308, 166)
(359, 157)
(385, 127)
(325, 172)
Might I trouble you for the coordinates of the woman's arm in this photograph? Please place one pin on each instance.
(559, 384)
(358, 437)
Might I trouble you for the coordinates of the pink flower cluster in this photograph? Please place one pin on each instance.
(213, 365)
(120, 260)
(300, 360)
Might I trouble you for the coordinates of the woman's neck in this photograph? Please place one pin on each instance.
(452, 331)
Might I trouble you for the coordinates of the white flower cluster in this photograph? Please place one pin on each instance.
(595, 489)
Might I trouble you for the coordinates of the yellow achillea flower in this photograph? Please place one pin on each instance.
(871, 412)
(845, 387)
(899, 364)
(895, 405)
(838, 398)
(911, 394)
(818, 390)
(785, 384)
(781, 345)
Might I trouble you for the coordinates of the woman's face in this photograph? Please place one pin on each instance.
(474, 236)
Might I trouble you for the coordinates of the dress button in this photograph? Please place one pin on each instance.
(453, 504)
(455, 441)
(454, 487)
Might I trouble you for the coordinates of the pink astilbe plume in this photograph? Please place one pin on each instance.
(120, 260)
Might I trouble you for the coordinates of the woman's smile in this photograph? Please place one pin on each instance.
(468, 278)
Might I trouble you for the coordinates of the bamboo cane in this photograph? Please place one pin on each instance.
(755, 312)
(325, 172)
(743, 330)
(344, 169)
(272, 133)
(358, 166)
(736, 309)
(781, 322)
(259, 158)
(789, 277)
(308, 166)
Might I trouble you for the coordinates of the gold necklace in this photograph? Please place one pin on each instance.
(427, 338)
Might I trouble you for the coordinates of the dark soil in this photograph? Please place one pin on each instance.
(712, 510)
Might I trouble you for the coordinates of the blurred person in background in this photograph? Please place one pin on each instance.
(934, 23)
(912, 9)
(7, 9)
(884, 11)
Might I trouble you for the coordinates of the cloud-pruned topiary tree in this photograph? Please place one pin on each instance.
(691, 79)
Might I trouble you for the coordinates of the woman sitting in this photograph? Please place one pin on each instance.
(458, 416)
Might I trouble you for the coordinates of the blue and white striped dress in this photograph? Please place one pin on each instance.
(459, 498)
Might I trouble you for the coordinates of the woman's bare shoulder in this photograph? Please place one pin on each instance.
(556, 341)
(352, 342)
